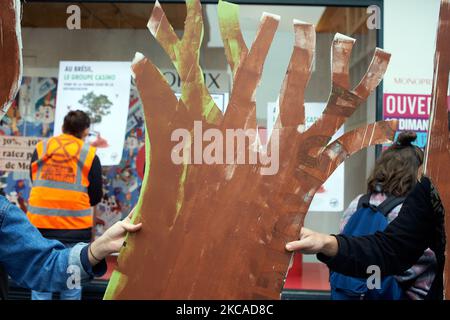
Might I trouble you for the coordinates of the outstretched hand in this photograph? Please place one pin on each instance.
(312, 242)
(113, 239)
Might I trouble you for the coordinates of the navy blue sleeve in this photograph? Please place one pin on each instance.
(98, 270)
(95, 188)
(394, 250)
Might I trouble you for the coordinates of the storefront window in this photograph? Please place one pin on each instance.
(116, 31)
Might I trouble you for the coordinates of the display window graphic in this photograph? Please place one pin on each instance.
(412, 112)
(101, 90)
(32, 118)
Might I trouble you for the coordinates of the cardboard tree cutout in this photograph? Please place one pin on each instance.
(437, 159)
(214, 228)
(218, 231)
(10, 53)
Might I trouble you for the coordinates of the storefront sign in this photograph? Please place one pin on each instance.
(217, 83)
(412, 112)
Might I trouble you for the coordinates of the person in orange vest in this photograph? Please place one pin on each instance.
(67, 181)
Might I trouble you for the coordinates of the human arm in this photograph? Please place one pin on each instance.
(394, 250)
(95, 188)
(40, 264)
(112, 239)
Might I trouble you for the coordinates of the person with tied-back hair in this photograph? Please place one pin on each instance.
(397, 170)
(395, 174)
(412, 247)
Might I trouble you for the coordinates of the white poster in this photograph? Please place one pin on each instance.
(330, 196)
(102, 89)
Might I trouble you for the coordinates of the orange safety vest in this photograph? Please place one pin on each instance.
(59, 197)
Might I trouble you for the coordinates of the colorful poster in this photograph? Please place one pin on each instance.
(36, 107)
(30, 119)
(121, 183)
(330, 196)
(102, 90)
(412, 112)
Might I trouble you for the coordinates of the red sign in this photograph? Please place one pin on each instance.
(415, 106)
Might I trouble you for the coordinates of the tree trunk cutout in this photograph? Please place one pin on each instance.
(10, 53)
(218, 231)
(437, 160)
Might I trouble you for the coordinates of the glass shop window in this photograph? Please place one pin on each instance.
(116, 31)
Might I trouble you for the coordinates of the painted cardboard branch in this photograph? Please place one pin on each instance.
(233, 41)
(217, 230)
(438, 145)
(10, 53)
(185, 55)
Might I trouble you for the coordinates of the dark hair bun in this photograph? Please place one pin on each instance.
(405, 139)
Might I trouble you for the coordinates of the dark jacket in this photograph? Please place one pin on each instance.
(419, 225)
(3, 283)
(3, 274)
(95, 192)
